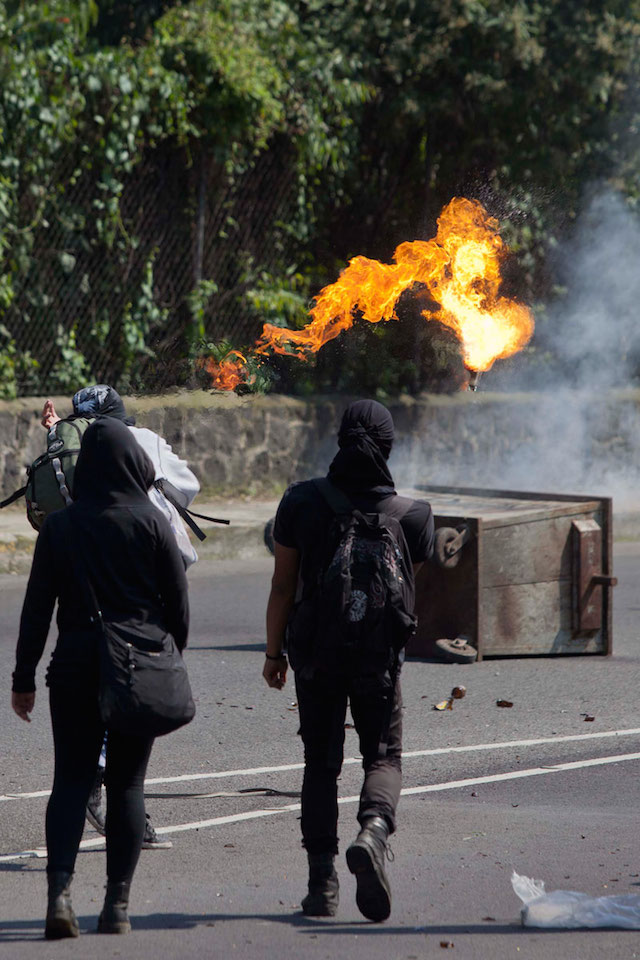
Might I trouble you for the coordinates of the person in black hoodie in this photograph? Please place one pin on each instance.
(131, 557)
(359, 475)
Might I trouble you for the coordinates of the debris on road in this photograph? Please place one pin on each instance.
(456, 694)
(570, 910)
(447, 944)
(587, 717)
(456, 651)
(504, 703)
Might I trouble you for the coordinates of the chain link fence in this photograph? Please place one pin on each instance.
(127, 305)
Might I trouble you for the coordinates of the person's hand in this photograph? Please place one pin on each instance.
(49, 415)
(23, 703)
(275, 672)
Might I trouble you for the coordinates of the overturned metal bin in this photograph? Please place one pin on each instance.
(519, 573)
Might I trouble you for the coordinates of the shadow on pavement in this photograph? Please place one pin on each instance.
(27, 930)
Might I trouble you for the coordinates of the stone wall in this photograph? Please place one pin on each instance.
(574, 442)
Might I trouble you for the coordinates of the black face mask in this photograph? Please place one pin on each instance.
(100, 400)
(112, 467)
(365, 440)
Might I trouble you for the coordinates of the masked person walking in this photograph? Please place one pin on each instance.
(346, 550)
(131, 558)
(102, 400)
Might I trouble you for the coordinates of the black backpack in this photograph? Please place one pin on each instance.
(358, 616)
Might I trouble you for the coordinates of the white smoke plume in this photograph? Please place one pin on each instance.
(566, 417)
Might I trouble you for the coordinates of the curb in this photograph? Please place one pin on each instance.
(243, 539)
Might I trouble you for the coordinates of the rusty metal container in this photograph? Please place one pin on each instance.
(532, 573)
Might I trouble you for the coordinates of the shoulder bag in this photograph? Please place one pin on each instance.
(144, 686)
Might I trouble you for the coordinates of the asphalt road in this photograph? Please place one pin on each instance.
(533, 788)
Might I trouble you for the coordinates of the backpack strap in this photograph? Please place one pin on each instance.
(14, 496)
(62, 480)
(165, 489)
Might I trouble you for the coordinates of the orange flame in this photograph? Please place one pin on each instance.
(460, 268)
(226, 374)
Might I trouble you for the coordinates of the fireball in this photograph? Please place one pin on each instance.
(461, 270)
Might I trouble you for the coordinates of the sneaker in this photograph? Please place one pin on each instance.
(95, 811)
(151, 840)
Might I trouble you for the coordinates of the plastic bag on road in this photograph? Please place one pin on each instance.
(567, 909)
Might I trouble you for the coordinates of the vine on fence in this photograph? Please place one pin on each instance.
(276, 140)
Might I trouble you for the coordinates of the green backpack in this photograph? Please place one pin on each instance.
(49, 484)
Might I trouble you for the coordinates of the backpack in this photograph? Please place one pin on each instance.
(50, 477)
(357, 617)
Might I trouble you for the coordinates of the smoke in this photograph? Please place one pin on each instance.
(593, 330)
(563, 416)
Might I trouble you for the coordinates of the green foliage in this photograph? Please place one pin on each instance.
(197, 302)
(16, 367)
(282, 301)
(72, 369)
(381, 109)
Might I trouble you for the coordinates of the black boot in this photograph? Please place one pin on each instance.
(61, 920)
(365, 858)
(322, 898)
(114, 917)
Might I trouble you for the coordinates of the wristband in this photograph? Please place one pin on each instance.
(281, 656)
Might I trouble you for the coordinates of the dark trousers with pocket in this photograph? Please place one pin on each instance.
(322, 702)
(78, 732)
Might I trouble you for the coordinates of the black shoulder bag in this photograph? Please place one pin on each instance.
(144, 686)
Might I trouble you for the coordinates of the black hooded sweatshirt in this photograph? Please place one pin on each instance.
(127, 548)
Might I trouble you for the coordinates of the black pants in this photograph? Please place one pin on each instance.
(322, 702)
(77, 735)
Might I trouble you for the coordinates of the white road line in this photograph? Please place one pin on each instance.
(408, 755)
(407, 792)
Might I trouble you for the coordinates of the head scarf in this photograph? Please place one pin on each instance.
(365, 440)
(112, 467)
(100, 400)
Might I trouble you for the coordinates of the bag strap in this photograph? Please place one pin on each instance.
(14, 496)
(80, 571)
(186, 514)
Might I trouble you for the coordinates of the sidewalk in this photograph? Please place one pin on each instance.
(243, 538)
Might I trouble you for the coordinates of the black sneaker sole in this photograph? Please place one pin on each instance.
(373, 896)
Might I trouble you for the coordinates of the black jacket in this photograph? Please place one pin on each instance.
(128, 550)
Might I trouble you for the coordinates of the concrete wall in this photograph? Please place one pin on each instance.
(575, 442)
